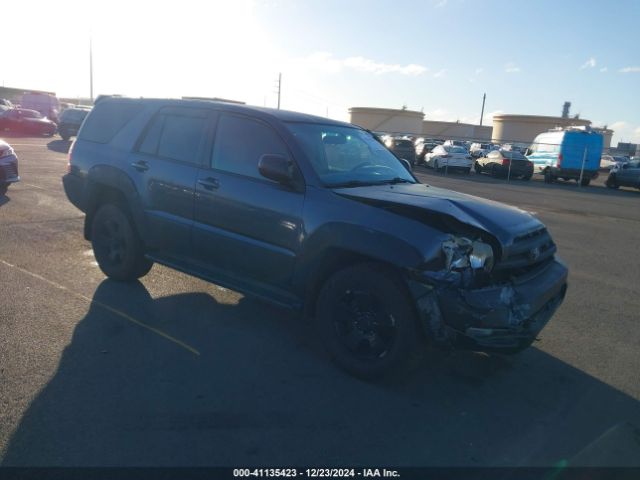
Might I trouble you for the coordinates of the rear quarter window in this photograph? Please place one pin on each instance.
(106, 120)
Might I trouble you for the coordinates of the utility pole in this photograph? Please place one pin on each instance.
(91, 68)
(279, 88)
(484, 97)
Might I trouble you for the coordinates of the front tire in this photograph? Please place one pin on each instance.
(612, 182)
(116, 245)
(477, 168)
(4, 187)
(367, 322)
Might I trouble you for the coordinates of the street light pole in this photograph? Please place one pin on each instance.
(91, 68)
(484, 97)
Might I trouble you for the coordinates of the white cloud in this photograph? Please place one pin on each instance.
(604, 69)
(442, 3)
(440, 73)
(591, 63)
(625, 132)
(512, 68)
(629, 69)
(479, 71)
(326, 62)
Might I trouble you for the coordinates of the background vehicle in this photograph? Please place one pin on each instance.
(563, 153)
(70, 121)
(457, 143)
(313, 214)
(27, 122)
(502, 163)
(423, 146)
(402, 147)
(8, 167)
(625, 175)
(607, 162)
(45, 103)
(448, 156)
(479, 149)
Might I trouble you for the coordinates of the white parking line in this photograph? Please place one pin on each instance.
(103, 305)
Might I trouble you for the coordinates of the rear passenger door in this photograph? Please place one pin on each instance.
(165, 166)
(246, 226)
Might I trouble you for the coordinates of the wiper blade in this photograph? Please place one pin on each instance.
(351, 183)
(393, 181)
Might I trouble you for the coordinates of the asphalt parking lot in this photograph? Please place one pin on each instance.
(175, 371)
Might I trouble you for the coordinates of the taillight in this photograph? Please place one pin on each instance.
(559, 164)
(505, 162)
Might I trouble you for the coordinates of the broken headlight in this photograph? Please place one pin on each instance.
(462, 252)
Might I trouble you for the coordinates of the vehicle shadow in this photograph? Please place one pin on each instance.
(259, 393)
(60, 146)
(535, 183)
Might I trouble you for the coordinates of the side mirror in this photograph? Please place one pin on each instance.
(406, 164)
(277, 168)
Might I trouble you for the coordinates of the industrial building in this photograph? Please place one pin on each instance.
(524, 128)
(507, 128)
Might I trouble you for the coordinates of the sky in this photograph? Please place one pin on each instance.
(438, 56)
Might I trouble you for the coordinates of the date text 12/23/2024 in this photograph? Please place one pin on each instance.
(315, 472)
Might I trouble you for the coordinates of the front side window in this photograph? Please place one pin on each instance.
(240, 142)
(346, 156)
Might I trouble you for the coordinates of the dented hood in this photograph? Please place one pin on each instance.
(502, 221)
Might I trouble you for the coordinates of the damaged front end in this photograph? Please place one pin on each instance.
(490, 298)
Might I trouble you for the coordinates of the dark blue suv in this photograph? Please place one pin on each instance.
(316, 215)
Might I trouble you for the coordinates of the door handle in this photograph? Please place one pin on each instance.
(209, 183)
(140, 165)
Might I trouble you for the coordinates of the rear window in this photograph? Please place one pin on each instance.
(403, 143)
(513, 155)
(107, 119)
(457, 150)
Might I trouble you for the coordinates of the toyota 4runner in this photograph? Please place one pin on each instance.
(316, 215)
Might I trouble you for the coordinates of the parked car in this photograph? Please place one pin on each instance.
(503, 163)
(423, 146)
(314, 214)
(625, 175)
(24, 121)
(572, 153)
(449, 157)
(8, 167)
(456, 143)
(607, 162)
(70, 122)
(46, 103)
(402, 147)
(480, 149)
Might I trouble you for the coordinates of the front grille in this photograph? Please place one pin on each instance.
(527, 252)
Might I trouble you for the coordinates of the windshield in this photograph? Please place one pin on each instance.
(344, 156)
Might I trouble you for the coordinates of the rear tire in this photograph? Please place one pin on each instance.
(612, 182)
(116, 245)
(3, 189)
(527, 176)
(367, 322)
(585, 182)
(467, 170)
(548, 178)
(477, 167)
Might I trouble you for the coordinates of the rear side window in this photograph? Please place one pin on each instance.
(176, 134)
(107, 119)
(240, 142)
(181, 138)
